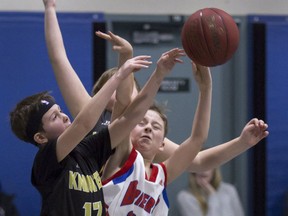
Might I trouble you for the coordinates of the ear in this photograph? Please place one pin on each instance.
(40, 138)
(161, 148)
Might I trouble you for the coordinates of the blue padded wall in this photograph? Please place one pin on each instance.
(277, 116)
(25, 70)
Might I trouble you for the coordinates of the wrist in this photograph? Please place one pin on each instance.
(49, 5)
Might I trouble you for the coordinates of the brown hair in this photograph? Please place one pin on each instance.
(105, 77)
(196, 191)
(20, 115)
(161, 111)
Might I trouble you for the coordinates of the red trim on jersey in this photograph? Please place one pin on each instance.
(129, 162)
(154, 173)
(165, 172)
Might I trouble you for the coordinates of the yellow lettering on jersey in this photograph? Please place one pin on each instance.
(91, 184)
(88, 183)
(82, 183)
(97, 180)
(92, 207)
(72, 180)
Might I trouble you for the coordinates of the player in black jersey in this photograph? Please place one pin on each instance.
(66, 167)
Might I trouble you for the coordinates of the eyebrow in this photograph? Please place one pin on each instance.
(54, 111)
(157, 123)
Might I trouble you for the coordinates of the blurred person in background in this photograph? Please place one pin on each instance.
(208, 195)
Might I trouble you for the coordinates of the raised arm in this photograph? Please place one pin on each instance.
(89, 115)
(124, 93)
(137, 109)
(121, 127)
(253, 132)
(184, 155)
(71, 87)
(220, 154)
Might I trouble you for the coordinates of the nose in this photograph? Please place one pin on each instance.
(148, 128)
(65, 118)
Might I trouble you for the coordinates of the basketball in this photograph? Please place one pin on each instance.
(210, 37)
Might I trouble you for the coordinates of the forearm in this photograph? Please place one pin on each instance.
(73, 92)
(217, 156)
(85, 120)
(136, 110)
(125, 90)
(187, 151)
(202, 115)
(145, 98)
(123, 57)
(124, 96)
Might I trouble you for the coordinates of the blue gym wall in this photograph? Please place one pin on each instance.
(25, 70)
(277, 116)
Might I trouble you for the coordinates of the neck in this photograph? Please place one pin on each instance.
(148, 164)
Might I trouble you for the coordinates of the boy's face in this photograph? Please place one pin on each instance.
(147, 137)
(55, 122)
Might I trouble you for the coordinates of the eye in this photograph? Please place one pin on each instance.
(141, 123)
(157, 127)
(59, 109)
(54, 116)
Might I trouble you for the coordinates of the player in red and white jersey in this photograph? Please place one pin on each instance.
(131, 191)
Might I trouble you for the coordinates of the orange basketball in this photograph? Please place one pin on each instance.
(210, 37)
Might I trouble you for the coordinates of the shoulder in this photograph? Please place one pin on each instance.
(227, 188)
(184, 194)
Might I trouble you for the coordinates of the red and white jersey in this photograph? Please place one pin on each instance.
(130, 192)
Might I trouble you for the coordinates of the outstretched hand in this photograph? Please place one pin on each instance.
(119, 44)
(254, 131)
(202, 76)
(133, 65)
(168, 60)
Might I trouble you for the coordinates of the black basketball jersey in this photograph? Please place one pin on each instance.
(72, 187)
(103, 122)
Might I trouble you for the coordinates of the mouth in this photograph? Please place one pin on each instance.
(146, 137)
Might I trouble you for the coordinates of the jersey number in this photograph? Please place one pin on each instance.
(89, 207)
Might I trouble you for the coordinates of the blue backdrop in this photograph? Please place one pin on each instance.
(25, 70)
(277, 115)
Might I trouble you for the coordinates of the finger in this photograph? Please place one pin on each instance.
(144, 62)
(178, 60)
(113, 36)
(171, 52)
(103, 35)
(117, 47)
(142, 57)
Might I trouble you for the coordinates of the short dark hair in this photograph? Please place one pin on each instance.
(20, 115)
(161, 111)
